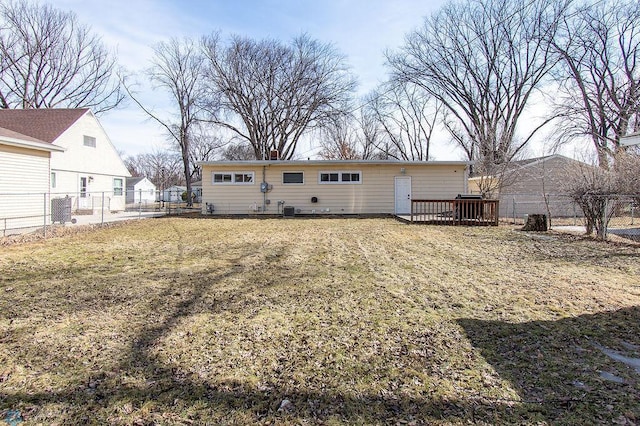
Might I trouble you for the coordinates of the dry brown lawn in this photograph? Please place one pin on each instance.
(327, 321)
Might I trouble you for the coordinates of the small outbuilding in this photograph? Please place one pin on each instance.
(140, 190)
(173, 194)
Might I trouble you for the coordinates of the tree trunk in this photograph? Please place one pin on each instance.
(536, 222)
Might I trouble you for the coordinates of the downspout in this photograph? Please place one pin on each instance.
(264, 193)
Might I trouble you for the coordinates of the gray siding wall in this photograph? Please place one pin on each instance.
(523, 193)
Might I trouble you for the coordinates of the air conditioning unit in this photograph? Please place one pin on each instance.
(289, 211)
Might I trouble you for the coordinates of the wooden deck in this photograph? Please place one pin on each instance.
(453, 212)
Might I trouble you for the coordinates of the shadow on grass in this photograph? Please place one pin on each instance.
(164, 394)
(171, 394)
(560, 367)
(554, 365)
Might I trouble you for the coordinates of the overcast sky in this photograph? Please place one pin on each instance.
(360, 29)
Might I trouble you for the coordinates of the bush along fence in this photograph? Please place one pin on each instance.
(29, 212)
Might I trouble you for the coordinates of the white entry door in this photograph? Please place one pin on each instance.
(403, 195)
(83, 196)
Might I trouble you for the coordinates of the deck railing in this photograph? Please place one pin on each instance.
(455, 212)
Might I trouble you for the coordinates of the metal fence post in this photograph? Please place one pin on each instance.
(44, 228)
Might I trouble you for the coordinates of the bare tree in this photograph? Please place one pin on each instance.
(371, 134)
(177, 68)
(599, 76)
(205, 146)
(270, 94)
(239, 151)
(407, 116)
(591, 188)
(49, 60)
(482, 60)
(340, 140)
(627, 169)
(160, 167)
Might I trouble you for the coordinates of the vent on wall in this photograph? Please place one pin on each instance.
(289, 211)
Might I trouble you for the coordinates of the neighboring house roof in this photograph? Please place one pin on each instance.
(44, 124)
(9, 137)
(529, 162)
(131, 181)
(196, 183)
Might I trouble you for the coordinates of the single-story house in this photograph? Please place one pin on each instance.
(173, 194)
(140, 190)
(528, 185)
(362, 187)
(24, 180)
(90, 170)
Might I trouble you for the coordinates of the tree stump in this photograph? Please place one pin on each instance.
(536, 222)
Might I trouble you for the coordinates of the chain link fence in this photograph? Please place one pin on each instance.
(37, 212)
(624, 211)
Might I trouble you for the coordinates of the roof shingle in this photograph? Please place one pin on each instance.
(43, 124)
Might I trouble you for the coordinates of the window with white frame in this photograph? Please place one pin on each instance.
(89, 141)
(292, 178)
(53, 180)
(229, 178)
(347, 177)
(117, 186)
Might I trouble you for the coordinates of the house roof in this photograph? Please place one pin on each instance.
(526, 162)
(521, 164)
(9, 137)
(133, 180)
(45, 124)
(301, 163)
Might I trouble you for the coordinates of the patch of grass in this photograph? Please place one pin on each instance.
(195, 321)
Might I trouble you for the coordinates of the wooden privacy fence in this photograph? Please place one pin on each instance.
(455, 212)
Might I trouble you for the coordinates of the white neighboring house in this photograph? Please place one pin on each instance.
(140, 190)
(90, 170)
(173, 194)
(24, 180)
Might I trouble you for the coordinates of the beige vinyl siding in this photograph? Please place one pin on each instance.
(374, 194)
(24, 179)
